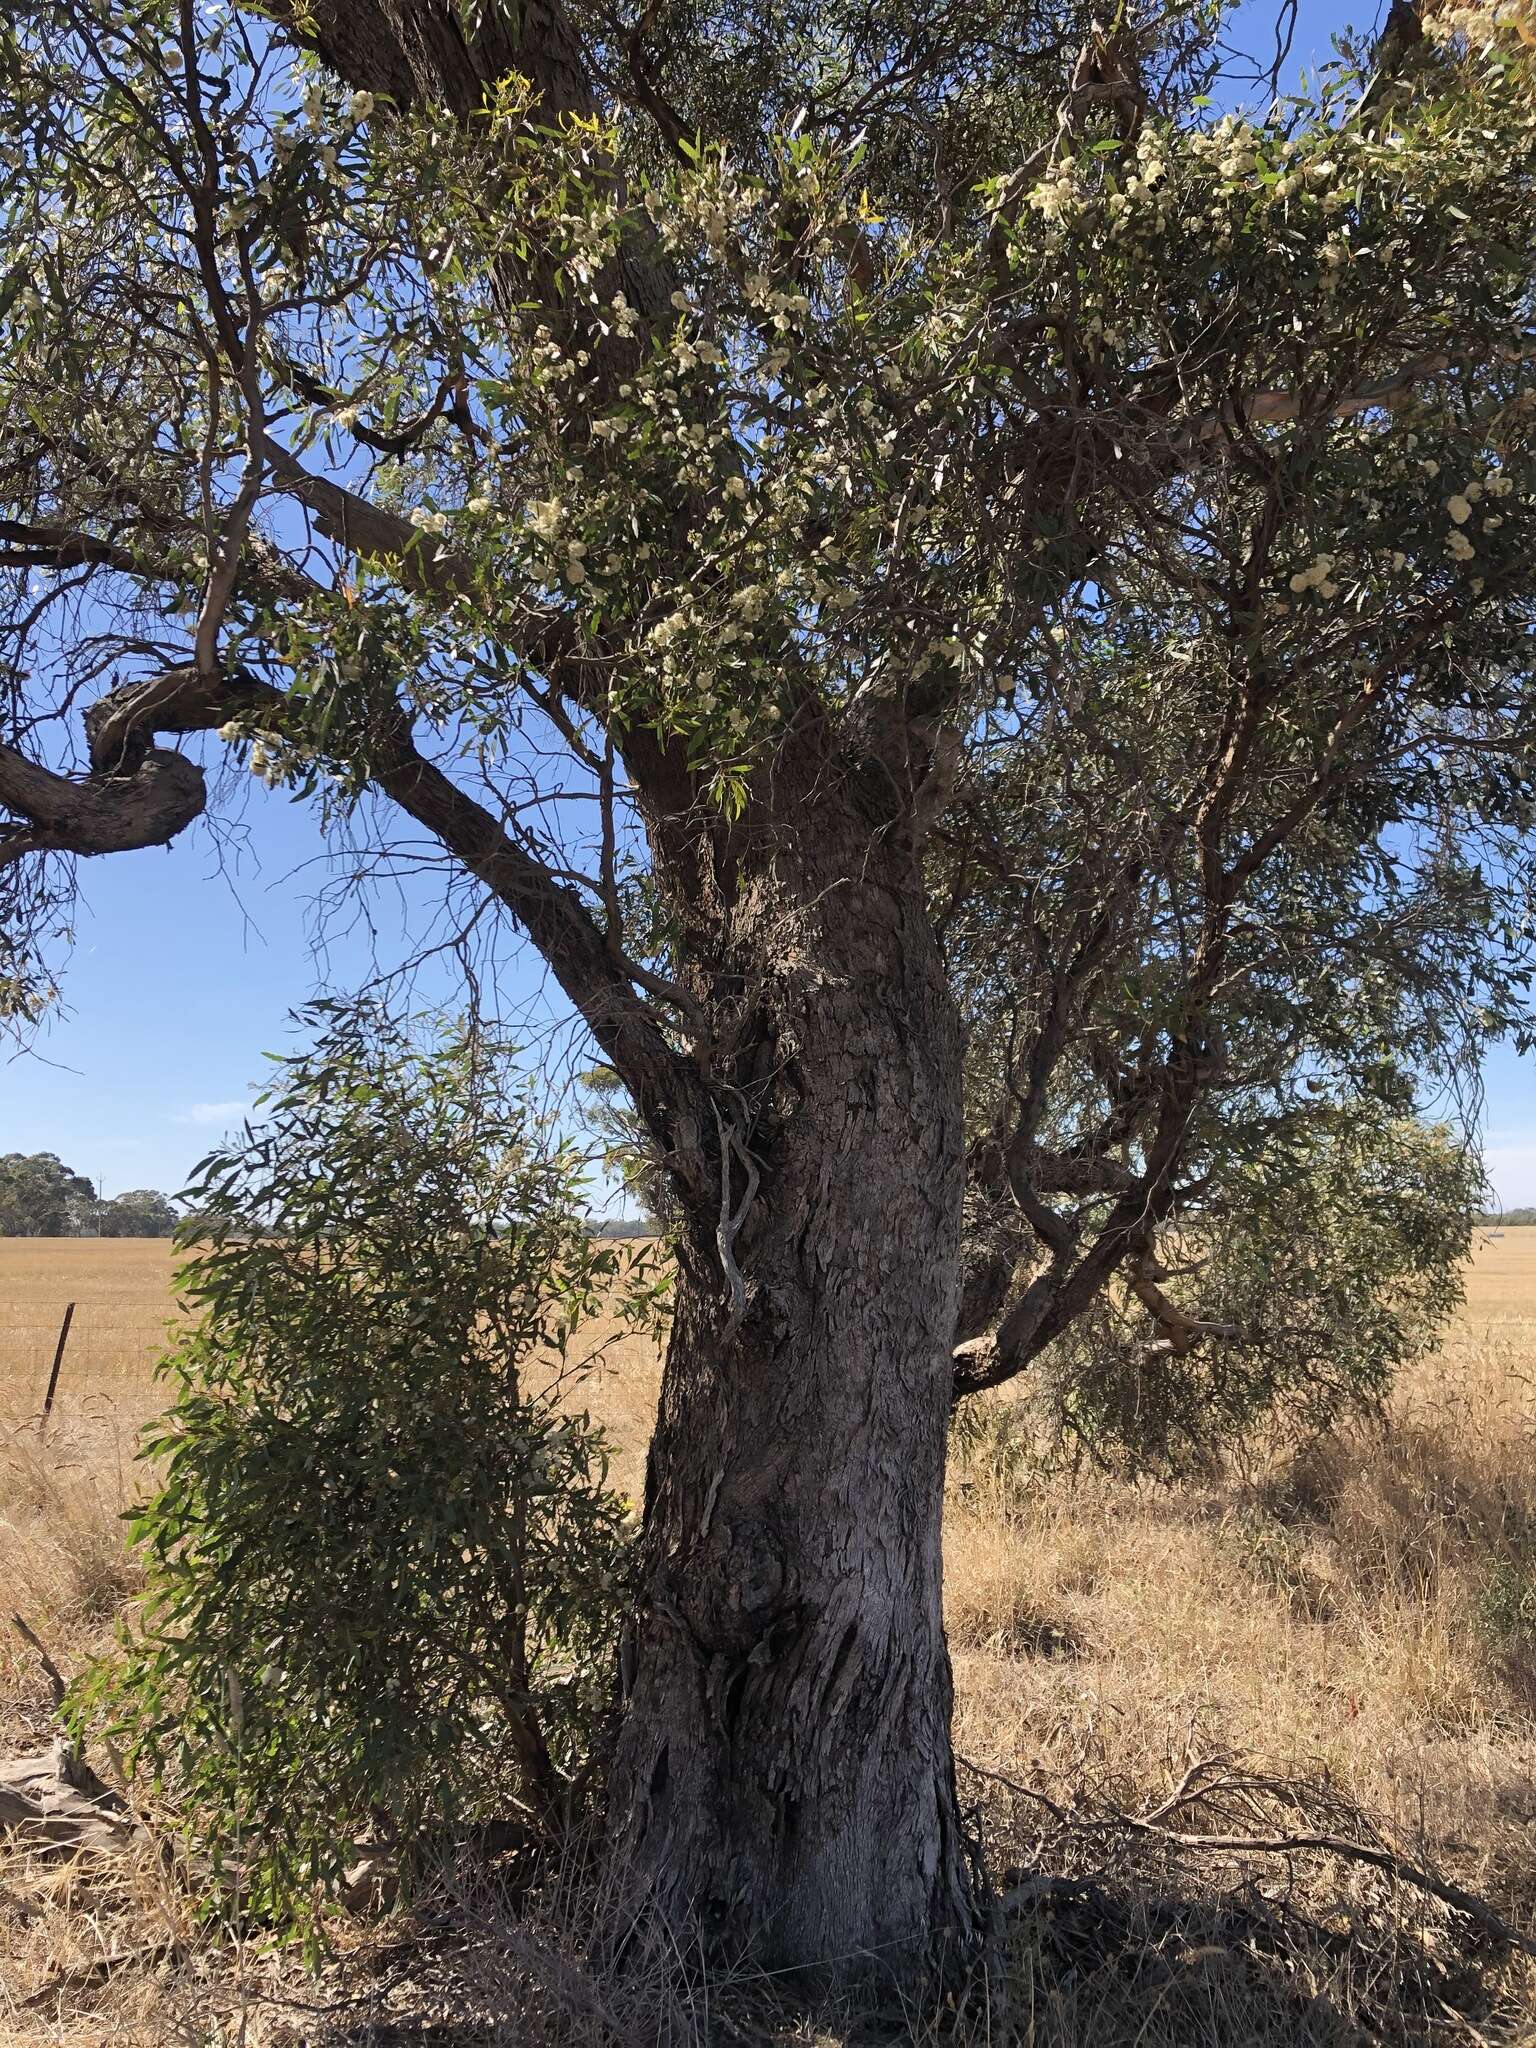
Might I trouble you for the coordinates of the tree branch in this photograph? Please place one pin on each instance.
(104, 814)
(668, 1088)
(138, 795)
(1276, 407)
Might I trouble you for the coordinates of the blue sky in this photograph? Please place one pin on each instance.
(182, 978)
(189, 959)
(186, 965)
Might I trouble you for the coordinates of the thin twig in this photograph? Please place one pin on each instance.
(1464, 1902)
(86, 1976)
(72, 1767)
(1058, 1813)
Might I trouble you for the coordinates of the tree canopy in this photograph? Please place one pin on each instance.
(964, 575)
(41, 1197)
(138, 1212)
(554, 447)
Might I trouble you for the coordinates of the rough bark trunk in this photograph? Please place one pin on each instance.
(783, 1773)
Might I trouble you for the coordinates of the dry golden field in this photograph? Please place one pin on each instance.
(1362, 1619)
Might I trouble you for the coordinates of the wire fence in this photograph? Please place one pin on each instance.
(107, 1349)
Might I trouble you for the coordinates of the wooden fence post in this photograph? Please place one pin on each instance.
(58, 1360)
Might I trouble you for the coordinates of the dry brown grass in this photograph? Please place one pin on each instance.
(1363, 1616)
(121, 1288)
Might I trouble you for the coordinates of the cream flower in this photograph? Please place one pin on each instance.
(546, 516)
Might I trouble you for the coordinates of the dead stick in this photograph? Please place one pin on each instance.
(1452, 1895)
(1464, 1902)
(54, 1675)
(85, 1976)
(1057, 1813)
(71, 1760)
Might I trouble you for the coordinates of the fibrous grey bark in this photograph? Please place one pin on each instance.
(783, 1769)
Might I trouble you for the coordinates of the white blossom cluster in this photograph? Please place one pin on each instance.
(1055, 198)
(1461, 506)
(1318, 576)
(274, 758)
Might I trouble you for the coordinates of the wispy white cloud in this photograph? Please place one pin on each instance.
(212, 1112)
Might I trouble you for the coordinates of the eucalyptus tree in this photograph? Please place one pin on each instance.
(845, 526)
(138, 1212)
(42, 1197)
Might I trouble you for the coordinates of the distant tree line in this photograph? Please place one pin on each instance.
(42, 1197)
(1498, 1218)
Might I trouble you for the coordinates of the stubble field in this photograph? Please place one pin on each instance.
(1358, 1622)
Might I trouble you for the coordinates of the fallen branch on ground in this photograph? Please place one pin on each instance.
(1029, 1891)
